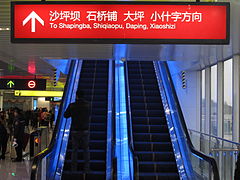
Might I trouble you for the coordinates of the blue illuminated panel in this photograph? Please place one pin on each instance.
(122, 148)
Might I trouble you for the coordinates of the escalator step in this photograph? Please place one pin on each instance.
(98, 118)
(149, 120)
(150, 166)
(154, 106)
(93, 144)
(153, 137)
(99, 112)
(150, 113)
(68, 175)
(155, 156)
(97, 127)
(94, 154)
(95, 165)
(138, 76)
(141, 81)
(150, 128)
(158, 176)
(156, 113)
(96, 135)
(153, 146)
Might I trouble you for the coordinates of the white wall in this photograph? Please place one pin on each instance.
(190, 96)
(42, 103)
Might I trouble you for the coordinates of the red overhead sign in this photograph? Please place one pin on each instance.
(120, 22)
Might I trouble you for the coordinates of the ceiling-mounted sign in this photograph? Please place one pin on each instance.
(23, 84)
(120, 22)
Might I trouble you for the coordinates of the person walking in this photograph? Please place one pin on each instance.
(10, 122)
(3, 139)
(18, 126)
(51, 119)
(79, 111)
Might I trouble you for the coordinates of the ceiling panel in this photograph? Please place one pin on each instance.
(21, 54)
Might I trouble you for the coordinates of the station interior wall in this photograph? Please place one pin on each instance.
(188, 97)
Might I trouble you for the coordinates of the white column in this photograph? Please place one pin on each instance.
(236, 97)
(208, 100)
(220, 94)
(32, 105)
(199, 99)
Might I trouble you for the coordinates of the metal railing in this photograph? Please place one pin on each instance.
(224, 151)
(203, 166)
(45, 164)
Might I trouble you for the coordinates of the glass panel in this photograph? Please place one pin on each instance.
(214, 100)
(228, 99)
(224, 152)
(203, 104)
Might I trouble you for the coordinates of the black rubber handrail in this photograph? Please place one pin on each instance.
(113, 142)
(129, 121)
(38, 158)
(207, 158)
(114, 159)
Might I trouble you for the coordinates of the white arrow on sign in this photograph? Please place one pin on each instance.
(33, 17)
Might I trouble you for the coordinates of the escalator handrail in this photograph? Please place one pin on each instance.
(114, 158)
(110, 124)
(130, 133)
(39, 157)
(207, 158)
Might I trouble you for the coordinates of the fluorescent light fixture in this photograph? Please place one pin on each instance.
(38, 93)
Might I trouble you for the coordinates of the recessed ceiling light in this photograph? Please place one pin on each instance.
(4, 29)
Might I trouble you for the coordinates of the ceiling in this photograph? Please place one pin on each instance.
(20, 55)
(9, 70)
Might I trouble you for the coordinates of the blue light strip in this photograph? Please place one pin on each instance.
(67, 122)
(122, 149)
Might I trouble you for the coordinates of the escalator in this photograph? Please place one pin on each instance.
(94, 82)
(152, 143)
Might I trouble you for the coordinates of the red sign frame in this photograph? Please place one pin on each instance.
(112, 23)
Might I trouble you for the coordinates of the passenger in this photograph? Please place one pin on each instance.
(51, 119)
(44, 117)
(3, 139)
(19, 123)
(10, 122)
(3, 117)
(79, 112)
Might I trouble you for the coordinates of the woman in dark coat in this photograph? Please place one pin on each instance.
(3, 139)
(18, 126)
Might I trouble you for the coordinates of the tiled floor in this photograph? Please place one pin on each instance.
(15, 170)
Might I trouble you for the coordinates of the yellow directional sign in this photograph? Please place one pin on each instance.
(38, 93)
